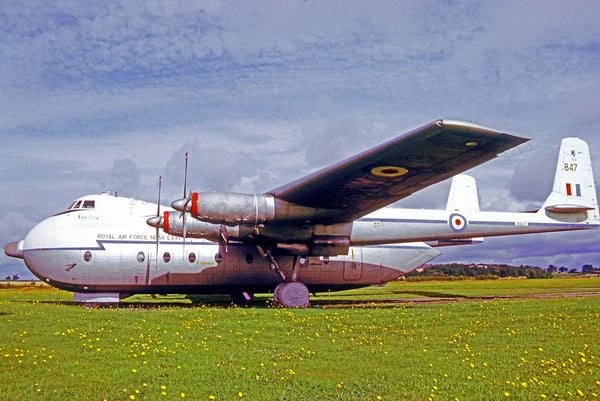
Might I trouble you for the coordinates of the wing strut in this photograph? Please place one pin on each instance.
(266, 253)
(223, 237)
(295, 268)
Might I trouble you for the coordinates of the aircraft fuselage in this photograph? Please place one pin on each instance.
(110, 248)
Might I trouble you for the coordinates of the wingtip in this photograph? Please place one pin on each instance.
(462, 124)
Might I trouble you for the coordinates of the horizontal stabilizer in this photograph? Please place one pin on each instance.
(568, 208)
(455, 242)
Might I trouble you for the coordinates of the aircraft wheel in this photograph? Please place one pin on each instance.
(291, 295)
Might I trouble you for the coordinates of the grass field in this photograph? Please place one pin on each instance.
(528, 348)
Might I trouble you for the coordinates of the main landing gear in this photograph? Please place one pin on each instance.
(289, 294)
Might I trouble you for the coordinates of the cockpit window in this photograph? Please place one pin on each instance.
(82, 204)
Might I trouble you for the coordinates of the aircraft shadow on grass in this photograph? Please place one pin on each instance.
(224, 301)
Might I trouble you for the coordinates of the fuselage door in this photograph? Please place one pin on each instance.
(353, 265)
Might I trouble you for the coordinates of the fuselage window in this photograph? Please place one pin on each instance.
(167, 257)
(77, 205)
(88, 204)
(87, 256)
(249, 258)
(192, 257)
(218, 258)
(141, 257)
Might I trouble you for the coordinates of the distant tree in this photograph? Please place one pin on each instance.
(552, 269)
(478, 271)
(573, 270)
(562, 269)
(587, 269)
(7, 278)
(16, 277)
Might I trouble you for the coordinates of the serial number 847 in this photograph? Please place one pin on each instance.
(570, 167)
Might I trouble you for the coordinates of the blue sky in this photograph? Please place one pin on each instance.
(110, 95)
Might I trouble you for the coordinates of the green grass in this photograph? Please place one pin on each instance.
(469, 288)
(522, 348)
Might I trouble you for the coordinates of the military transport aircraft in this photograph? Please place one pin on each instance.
(323, 232)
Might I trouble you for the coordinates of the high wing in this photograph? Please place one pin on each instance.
(396, 169)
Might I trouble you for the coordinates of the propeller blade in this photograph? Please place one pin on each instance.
(185, 204)
(159, 187)
(184, 233)
(185, 176)
(158, 215)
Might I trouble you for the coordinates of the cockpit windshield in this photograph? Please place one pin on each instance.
(82, 204)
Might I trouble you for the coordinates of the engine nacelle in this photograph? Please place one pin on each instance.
(233, 209)
(172, 223)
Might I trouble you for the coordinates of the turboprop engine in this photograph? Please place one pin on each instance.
(172, 223)
(234, 209)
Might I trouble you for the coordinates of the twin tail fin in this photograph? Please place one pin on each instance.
(573, 190)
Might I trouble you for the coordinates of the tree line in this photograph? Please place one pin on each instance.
(481, 271)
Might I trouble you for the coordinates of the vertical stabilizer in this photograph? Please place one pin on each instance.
(573, 190)
(463, 195)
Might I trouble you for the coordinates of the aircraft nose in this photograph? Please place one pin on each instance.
(155, 221)
(179, 204)
(14, 249)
